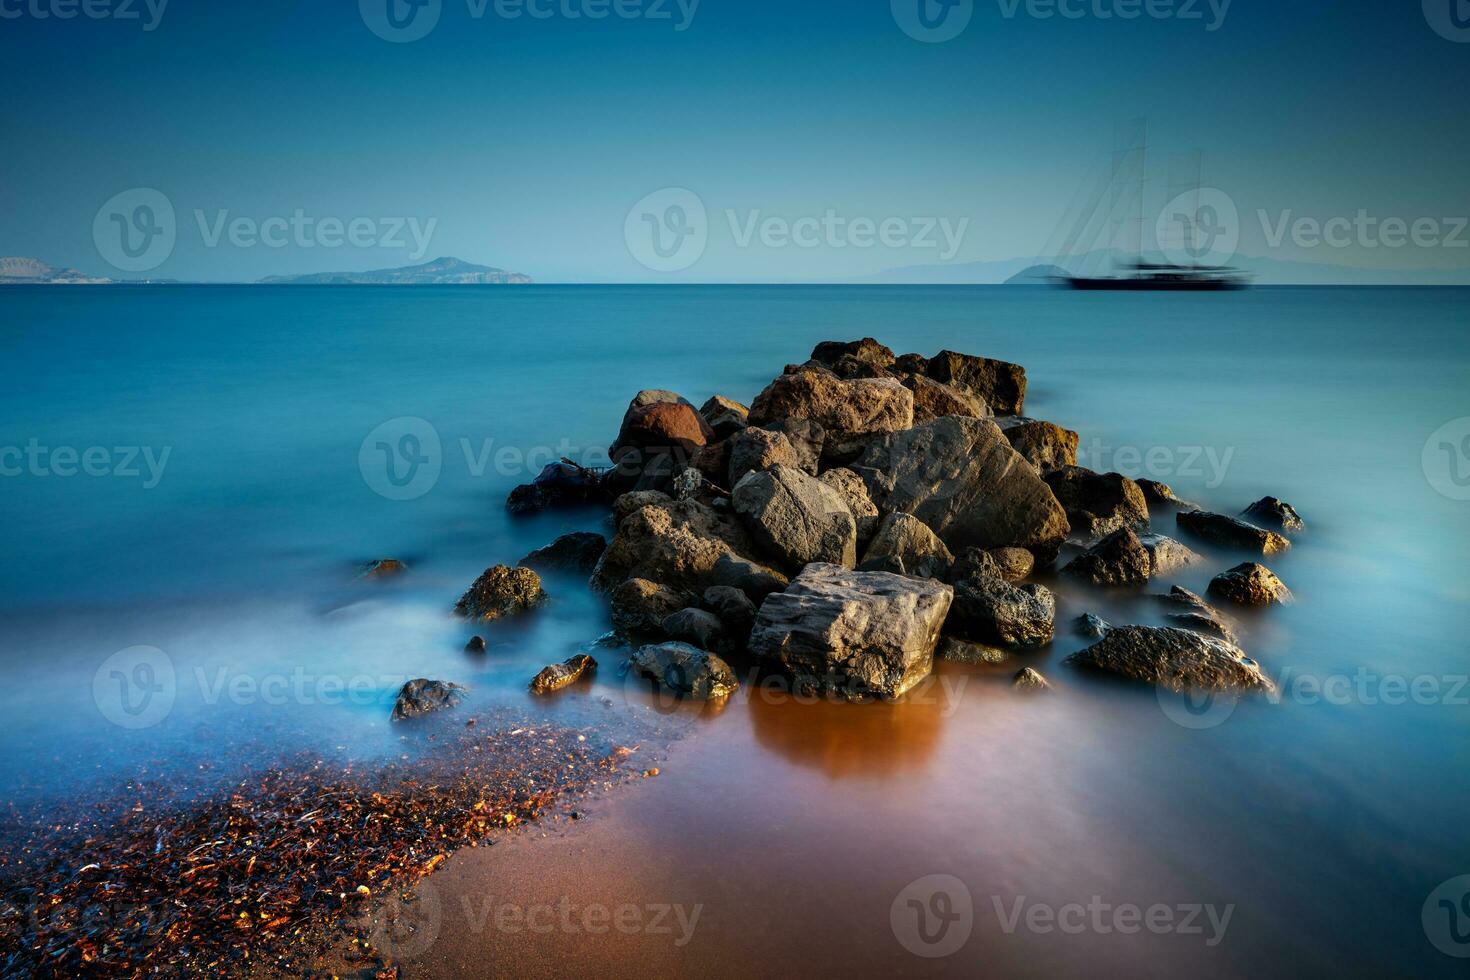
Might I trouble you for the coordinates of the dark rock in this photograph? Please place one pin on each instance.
(853, 633)
(690, 484)
(562, 675)
(807, 438)
(641, 606)
(1250, 584)
(1162, 495)
(502, 591)
(1091, 626)
(476, 645)
(676, 544)
(908, 540)
(1014, 564)
(796, 518)
(576, 552)
(850, 368)
(975, 563)
(911, 364)
(713, 461)
(385, 568)
(1098, 504)
(935, 399)
(725, 416)
(757, 450)
(734, 608)
(1044, 445)
(686, 670)
(867, 350)
(559, 485)
(703, 629)
(421, 697)
(963, 652)
(1201, 623)
(1029, 679)
(754, 579)
(1167, 555)
(1230, 533)
(1118, 559)
(1196, 614)
(992, 610)
(845, 450)
(1268, 512)
(1174, 659)
(855, 492)
(1000, 385)
(838, 406)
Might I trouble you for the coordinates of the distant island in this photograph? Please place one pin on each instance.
(29, 271)
(1037, 275)
(440, 272)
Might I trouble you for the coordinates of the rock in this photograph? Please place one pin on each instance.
(656, 396)
(1098, 504)
(703, 629)
(559, 484)
(752, 578)
(757, 450)
(962, 478)
(838, 406)
(963, 652)
(796, 518)
(719, 404)
(1044, 445)
(421, 697)
(1029, 679)
(1201, 623)
(918, 551)
(1250, 584)
(853, 633)
(1167, 555)
(1118, 559)
(676, 544)
(725, 416)
(1013, 564)
(1091, 626)
(713, 461)
(660, 424)
(641, 606)
(1196, 614)
(1174, 659)
(1162, 495)
(576, 552)
(855, 494)
(867, 350)
(843, 451)
(911, 364)
(1000, 385)
(734, 608)
(975, 563)
(1230, 533)
(385, 568)
(502, 591)
(562, 675)
(630, 503)
(991, 610)
(935, 399)
(1268, 512)
(807, 438)
(686, 670)
(475, 645)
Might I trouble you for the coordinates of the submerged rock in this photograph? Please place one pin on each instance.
(1268, 512)
(686, 670)
(1231, 533)
(907, 542)
(853, 633)
(935, 399)
(1118, 559)
(476, 644)
(999, 384)
(1029, 679)
(960, 651)
(1091, 626)
(1167, 555)
(1175, 660)
(837, 405)
(1098, 504)
(576, 552)
(385, 568)
(558, 676)
(796, 518)
(1044, 445)
(1250, 584)
(502, 591)
(422, 696)
(641, 606)
(1194, 613)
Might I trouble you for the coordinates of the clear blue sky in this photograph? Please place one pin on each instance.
(528, 140)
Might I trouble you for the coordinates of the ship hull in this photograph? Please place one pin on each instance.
(1158, 285)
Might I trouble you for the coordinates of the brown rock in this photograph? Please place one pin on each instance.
(1000, 385)
(1098, 504)
(1174, 659)
(562, 675)
(935, 399)
(502, 591)
(1044, 445)
(1251, 584)
(757, 450)
(838, 406)
(676, 544)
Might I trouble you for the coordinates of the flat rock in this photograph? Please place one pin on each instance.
(677, 544)
(839, 406)
(641, 606)
(853, 633)
(1098, 504)
(686, 670)
(561, 675)
(422, 696)
(1251, 584)
(502, 591)
(757, 450)
(575, 552)
(1044, 445)
(796, 518)
(999, 384)
(909, 542)
(935, 399)
(1230, 533)
(1268, 512)
(991, 610)
(1175, 660)
(1119, 559)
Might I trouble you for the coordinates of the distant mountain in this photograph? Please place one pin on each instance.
(440, 272)
(22, 270)
(1036, 275)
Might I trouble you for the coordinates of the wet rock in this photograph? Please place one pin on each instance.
(838, 406)
(807, 438)
(1044, 445)
(962, 478)
(559, 485)
(384, 569)
(1231, 533)
(475, 645)
(576, 552)
(421, 697)
(641, 606)
(1162, 495)
(1167, 555)
(1268, 512)
(676, 544)
(754, 579)
(1117, 560)
(630, 503)
(1091, 626)
(991, 610)
(1174, 659)
(1194, 613)
(701, 628)
(1250, 584)
(853, 633)
(1098, 504)
(867, 350)
(1030, 679)
(502, 591)
(686, 670)
(757, 450)
(964, 652)
(1000, 385)
(562, 675)
(734, 608)
(1013, 564)
(796, 518)
(935, 399)
(855, 493)
(725, 416)
(909, 542)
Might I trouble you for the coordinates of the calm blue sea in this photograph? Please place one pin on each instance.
(192, 477)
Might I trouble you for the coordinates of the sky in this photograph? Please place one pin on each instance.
(718, 140)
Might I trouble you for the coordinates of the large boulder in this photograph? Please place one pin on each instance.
(1044, 445)
(962, 478)
(853, 633)
(661, 425)
(561, 675)
(756, 450)
(855, 493)
(1268, 512)
(1230, 533)
(1118, 559)
(1098, 504)
(677, 544)
(422, 696)
(796, 518)
(839, 406)
(904, 544)
(834, 353)
(1000, 385)
(641, 606)
(576, 552)
(502, 591)
(935, 399)
(1251, 584)
(1176, 660)
(686, 670)
(989, 609)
